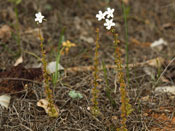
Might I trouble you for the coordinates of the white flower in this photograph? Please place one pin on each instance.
(101, 15)
(109, 24)
(39, 17)
(109, 12)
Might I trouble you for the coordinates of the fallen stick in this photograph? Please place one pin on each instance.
(156, 62)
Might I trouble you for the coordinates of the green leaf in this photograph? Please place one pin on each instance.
(15, 1)
(73, 94)
(18, 1)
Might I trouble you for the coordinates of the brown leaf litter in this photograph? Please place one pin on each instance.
(15, 78)
(5, 33)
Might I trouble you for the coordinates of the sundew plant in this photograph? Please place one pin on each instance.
(125, 108)
(53, 112)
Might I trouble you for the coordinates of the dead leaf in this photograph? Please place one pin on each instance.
(5, 100)
(18, 61)
(45, 104)
(5, 32)
(87, 39)
(165, 89)
(145, 114)
(138, 43)
(157, 62)
(158, 44)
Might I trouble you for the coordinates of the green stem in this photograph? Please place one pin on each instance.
(108, 90)
(17, 30)
(57, 73)
(126, 39)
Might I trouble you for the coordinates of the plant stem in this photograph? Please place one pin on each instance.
(95, 91)
(17, 30)
(57, 73)
(49, 95)
(126, 39)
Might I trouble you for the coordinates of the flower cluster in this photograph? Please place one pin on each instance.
(67, 45)
(109, 14)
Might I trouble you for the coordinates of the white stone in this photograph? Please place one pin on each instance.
(51, 67)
